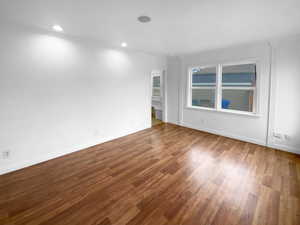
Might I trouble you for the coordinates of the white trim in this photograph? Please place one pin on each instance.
(225, 134)
(188, 99)
(205, 84)
(219, 88)
(165, 100)
(257, 91)
(238, 88)
(45, 157)
(204, 66)
(237, 84)
(218, 92)
(280, 147)
(272, 95)
(236, 112)
(207, 88)
(227, 84)
(285, 148)
(201, 108)
(182, 92)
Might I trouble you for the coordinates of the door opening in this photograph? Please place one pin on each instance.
(157, 98)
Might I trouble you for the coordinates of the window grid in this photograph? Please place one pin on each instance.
(219, 88)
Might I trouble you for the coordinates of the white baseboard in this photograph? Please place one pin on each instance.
(225, 134)
(285, 148)
(281, 147)
(173, 123)
(42, 158)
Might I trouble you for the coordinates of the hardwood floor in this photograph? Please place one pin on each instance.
(160, 176)
(156, 121)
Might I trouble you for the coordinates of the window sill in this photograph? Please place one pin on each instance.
(235, 112)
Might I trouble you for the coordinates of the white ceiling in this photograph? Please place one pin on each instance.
(177, 26)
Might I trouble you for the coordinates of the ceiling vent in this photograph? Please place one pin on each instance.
(144, 19)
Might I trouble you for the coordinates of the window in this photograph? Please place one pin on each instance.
(238, 87)
(204, 87)
(156, 86)
(224, 87)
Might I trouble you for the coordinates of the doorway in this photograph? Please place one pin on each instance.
(157, 97)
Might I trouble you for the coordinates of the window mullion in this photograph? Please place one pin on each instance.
(238, 88)
(219, 88)
(203, 88)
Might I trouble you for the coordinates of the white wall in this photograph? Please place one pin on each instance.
(285, 101)
(248, 128)
(59, 94)
(283, 118)
(173, 73)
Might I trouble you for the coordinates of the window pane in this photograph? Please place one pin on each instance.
(239, 75)
(156, 91)
(204, 77)
(203, 97)
(156, 81)
(241, 100)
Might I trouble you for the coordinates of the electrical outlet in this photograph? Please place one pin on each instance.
(5, 154)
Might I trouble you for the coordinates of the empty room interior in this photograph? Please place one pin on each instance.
(159, 112)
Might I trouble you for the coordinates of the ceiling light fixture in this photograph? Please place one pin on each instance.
(144, 19)
(124, 44)
(57, 28)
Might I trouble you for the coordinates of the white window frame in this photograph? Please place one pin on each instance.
(219, 88)
(190, 88)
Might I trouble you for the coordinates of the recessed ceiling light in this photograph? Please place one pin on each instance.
(144, 19)
(57, 28)
(124, 44)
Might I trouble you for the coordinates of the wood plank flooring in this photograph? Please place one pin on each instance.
(160, 176)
